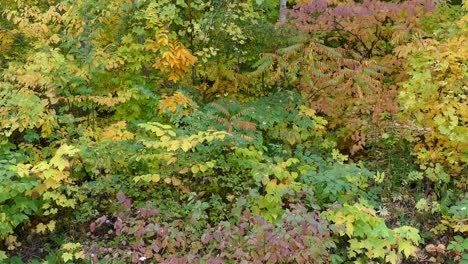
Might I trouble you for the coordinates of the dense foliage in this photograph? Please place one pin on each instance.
(211, 131)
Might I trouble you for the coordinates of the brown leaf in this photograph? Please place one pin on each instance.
(92, 227)
(246, 125)
(175, 181)
(184, 170)
(185, 189)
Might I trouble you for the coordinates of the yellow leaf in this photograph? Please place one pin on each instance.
(40, 189)
(51, 183)
(41, 228)
(59, 162)
(165, 138)
(155, 177)
(79, 255)
(159, 132)
(407, 248)
(203, 168)
(51, 225)
(67, 256)
(71, 246)
(392, 257)
(23, 169)
(369, 211)
(186, 145)
(195, 169)
(168, 180)
(147, 178)
(294, 175)
(349, 228)
(51, 211)
(62, 200)
(171, 160)
(172, 146)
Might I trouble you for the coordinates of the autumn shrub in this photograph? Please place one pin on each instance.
(333, 181)
(140, 235)
(218, 166)
(200, 132)
(453, 224)
(368, 236)
(433, 102)
(344, 61)
(163, 162)
(33, 191)
(15, 203)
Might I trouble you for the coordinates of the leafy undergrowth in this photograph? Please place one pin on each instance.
(200, 132)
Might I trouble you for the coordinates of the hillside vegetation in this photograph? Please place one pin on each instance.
(228, 131)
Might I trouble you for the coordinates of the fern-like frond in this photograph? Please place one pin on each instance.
(243, 112)
(370, 72)
(264, 62)
(221, 120)
(316, 72)
(246, 125)
(246, 137)
(291, 50)
(221, 108)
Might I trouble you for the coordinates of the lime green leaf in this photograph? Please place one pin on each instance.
(392, 258)
(41, 228)
(71, 246)
(3, 255)
(195, 169)
(203, 168)
(59, 162)
(147, 178)
(79, 255)
(67, 256)
(407, 248)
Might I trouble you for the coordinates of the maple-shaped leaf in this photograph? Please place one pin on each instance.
(41, 228)
(51, 183)
(392, 258)
(175, 181)
(51, 225)
(67, 256)
(59, 162)
(407, 248)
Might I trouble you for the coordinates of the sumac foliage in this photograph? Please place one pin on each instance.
(341, 58)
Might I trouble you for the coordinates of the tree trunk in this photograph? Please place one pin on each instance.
(282, 14)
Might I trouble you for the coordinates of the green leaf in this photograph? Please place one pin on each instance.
(3, 255)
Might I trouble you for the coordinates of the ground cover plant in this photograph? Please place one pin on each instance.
(216, 131)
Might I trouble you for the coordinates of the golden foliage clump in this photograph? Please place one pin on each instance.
(117, 132)
(175, 59)
(177, 103)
